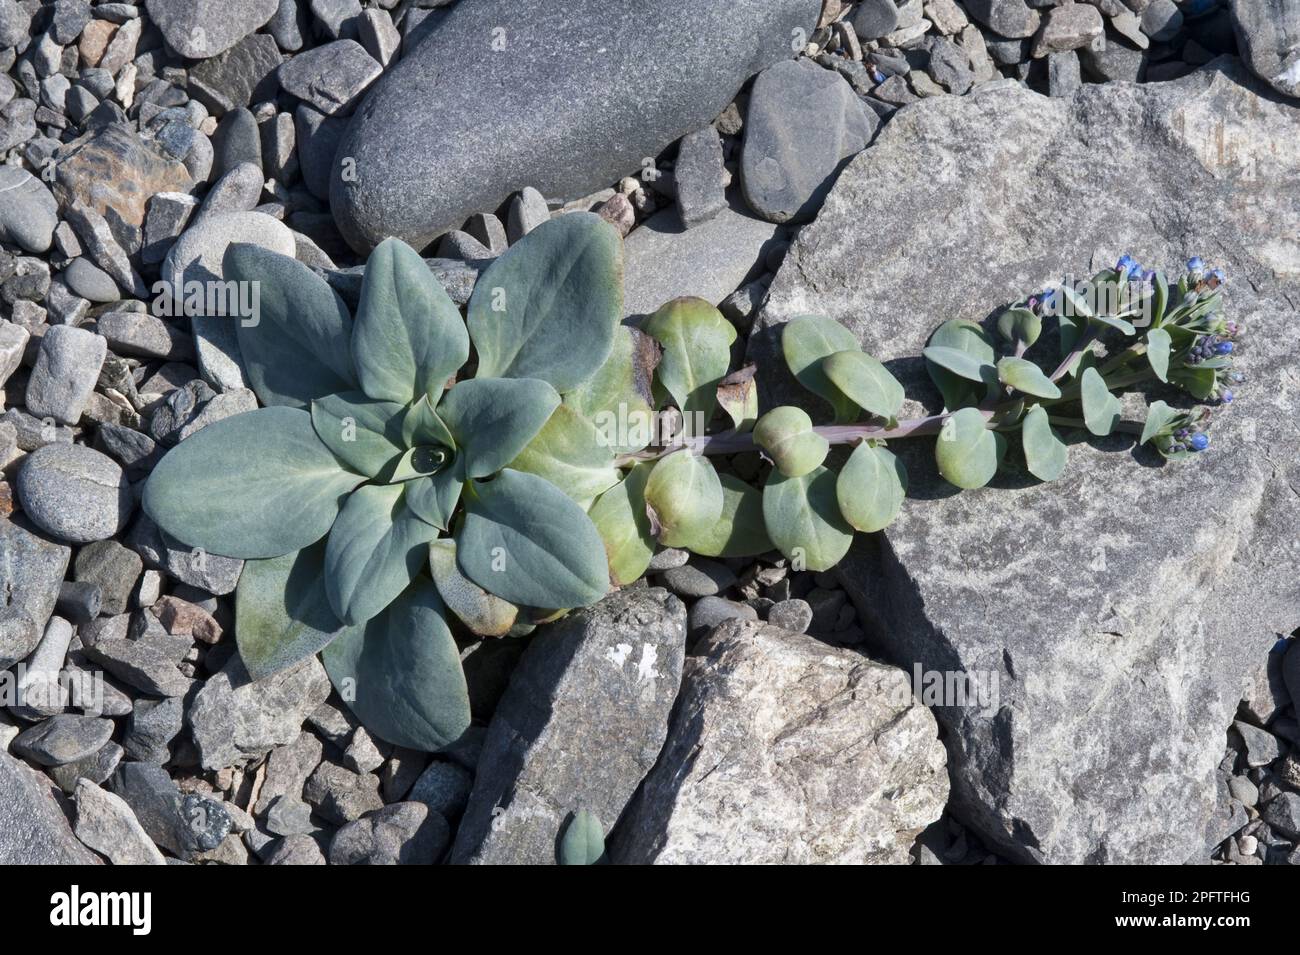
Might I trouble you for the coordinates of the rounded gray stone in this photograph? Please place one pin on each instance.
(875, 18)
(708, 612)
(581, 93)
(794, 615)
(198, 29)
(804, 122)
(1162, 20)
(703, 578)
(28, 211)
(74, 493)
(90, 281)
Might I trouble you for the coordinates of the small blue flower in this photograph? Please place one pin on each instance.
(878, 76)
(1219, 276)
(1227, 397)
(1127, 266)
(1200, 442)
(1196, 264)
(1223, 348)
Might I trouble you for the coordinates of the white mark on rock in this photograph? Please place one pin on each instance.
(618, 655)
(645, 670)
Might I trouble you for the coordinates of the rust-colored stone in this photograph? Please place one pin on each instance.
(113, 168)
(95, 39)
(182, 618)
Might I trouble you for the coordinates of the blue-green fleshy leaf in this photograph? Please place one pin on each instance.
(363, 433)
(409, 337)
(493, 419)
(282, 615)
(526, 541)
(548, 307)
(434, 498)
(375, 549)
(258, 484)
(298, 344)
(401, 674)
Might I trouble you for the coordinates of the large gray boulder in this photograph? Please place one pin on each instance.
(1268, 34)
(1121, 607)
(579, 726)
(565, 97)
(785, 750)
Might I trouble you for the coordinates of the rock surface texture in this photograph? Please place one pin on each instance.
(1268, 32)
(1119, 648)
(34, 828)
(574, 104)
(825, 754)
(602, 682)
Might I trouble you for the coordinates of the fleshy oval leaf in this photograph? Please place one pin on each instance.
(1159, 344)
(966, 450)
(1101, 409)
(1024, 376)
(526, 541)
(363, 433)
(739, 530)
(871, 487)
(684, 497)
(548, 307)
(258, 484)
(696, 342)
(1159, 417)
(571, 454)
(485, 614)
(409, 338)
(619, 397)
(1020, 325)
(583, 842)
(623, 524)
(960, 363)
(298, 345)
(1045, 453)
(786, 434)
(803, 519)
(282, 615)
(401, 674)
(805, 342)
(374, 551)
(865, 381)
(493, 419)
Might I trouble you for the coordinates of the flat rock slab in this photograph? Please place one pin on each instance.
(580, 725)
(785, 750)
(34, 828)
(1120, 608)
(31, 569)
(579, 95)
(663, 261)
(235, 719)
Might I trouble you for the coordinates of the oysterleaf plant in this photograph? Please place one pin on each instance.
(415, 476)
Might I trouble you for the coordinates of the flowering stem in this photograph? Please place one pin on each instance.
(736, 442)
(1088, 337)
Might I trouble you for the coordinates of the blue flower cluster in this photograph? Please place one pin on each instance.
(1186, 439)
(1209, 346)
